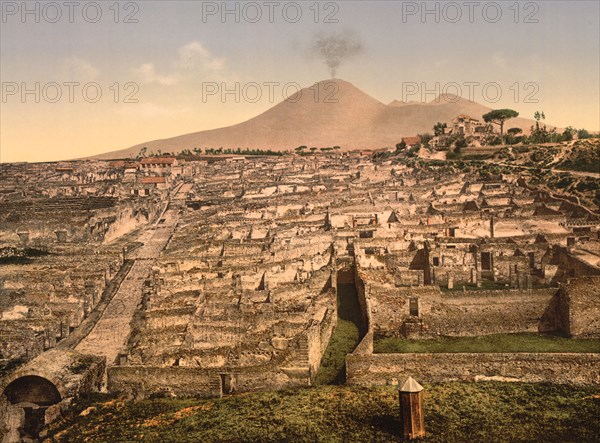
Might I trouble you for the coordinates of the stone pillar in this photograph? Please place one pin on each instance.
(86, 307)
(61, 235)
(411, 410)
(122, 358)
(95, 296)
(474, 279)
(12, 419)
(513, 278)
(450, 281)
(52, 338)
(24, 237)
(64, 328)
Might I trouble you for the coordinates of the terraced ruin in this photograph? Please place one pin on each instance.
(220, 274)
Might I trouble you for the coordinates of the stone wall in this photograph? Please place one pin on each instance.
(460, 313)
(143, 381)
(559, 265)
(382, 369)
(319, 336)
(488, 312)
(364, 300)
(579, 307)
(71, 373)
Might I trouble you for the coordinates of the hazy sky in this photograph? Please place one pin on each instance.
(165, 56)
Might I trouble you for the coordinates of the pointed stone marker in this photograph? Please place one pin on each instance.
(411, 410)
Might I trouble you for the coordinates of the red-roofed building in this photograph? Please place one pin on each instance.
(411, 142)
(153, 180)
(159, 165)
(147, 184)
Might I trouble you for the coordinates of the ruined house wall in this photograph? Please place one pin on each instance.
(389, 307)
(574, 267)
(382, 369)
(143, 381)
(363, 294)
(508, 269)
(464, 313)
(127, 220)
(82, 219)
(459, 274)
(579, 307)
(319, 336)
(489, 312)
(559, 266)
(11, 419)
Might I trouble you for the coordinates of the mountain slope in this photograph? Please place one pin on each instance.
(339, 114)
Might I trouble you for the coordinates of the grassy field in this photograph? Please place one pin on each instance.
(345, 338)
(454, 412)
(524, 342)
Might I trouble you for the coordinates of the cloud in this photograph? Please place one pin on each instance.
(194, 55)
(78, 69)
(147, 73)
(499, 60)
(192, 58)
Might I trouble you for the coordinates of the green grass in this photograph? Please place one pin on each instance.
(523, 342)
(346, 337)
(454, 412)
(344, 341)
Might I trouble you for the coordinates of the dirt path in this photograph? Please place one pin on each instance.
(558, 171)
(110, 334)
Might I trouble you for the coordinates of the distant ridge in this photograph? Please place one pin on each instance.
(355, 120)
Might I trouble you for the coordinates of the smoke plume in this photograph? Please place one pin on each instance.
(336, 48)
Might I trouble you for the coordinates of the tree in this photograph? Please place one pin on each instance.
(539, 133)
(400, 146)
(583, 133)
(499, 116)
(425, 138)
(142, 153)
(539, 116)
(439, 128)
(568, 133)
(460, 143)
(512, 136)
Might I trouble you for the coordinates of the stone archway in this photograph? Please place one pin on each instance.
(34, 395)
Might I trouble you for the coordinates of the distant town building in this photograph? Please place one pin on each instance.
(411, 142)
(158, 165)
